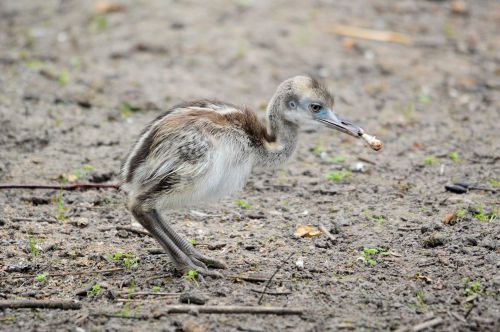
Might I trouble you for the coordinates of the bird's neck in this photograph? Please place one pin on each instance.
(284, 132)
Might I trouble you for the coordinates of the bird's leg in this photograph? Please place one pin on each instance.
(180, 259)
(185, 246)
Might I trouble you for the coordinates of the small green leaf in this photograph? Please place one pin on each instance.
(63, 77)
(424, 99)
(41, 277)
(454, 156)
(242, 203)
(430, 160)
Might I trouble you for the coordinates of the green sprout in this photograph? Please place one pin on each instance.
(87, 167)
(156, 289)
(494, 183)
(242, 203)
(125, 110)
(94, 290)
(33, 246)
(128, 260)
(99, 22)
(60, 209)
(424, 99)
(41, 277)
(460, 213)
(471, 288)
(420, 300)
(191, 276)
(367, 255)
(193, 242)
(430, 160)
(126, 307)
(338, 175)
(454, 156)
(63, 77)
(481, 215)
(373, 217)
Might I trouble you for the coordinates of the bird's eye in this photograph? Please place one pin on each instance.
(292, 104)
(315, 108)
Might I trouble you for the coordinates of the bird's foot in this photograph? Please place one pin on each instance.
(193, 264)
(208, 260)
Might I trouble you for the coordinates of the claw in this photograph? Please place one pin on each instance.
(210, 261)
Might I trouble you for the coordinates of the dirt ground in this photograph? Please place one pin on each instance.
(76, 88)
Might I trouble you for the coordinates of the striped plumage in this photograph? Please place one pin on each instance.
(203, 150)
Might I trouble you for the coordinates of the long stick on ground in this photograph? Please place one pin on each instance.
(65, 274)
(41, 304)
(72, 186)
(213, 309)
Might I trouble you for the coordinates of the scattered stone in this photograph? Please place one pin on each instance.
(300, 263)
(258, 215)
(80, 222)
(216, 246)
(435, 240)
(122, 233)
(358, 167)
(250, 246)
(190, 326)
(99, 177)
(20, 268)
(324, 244)
(36, 200)
(192, 298)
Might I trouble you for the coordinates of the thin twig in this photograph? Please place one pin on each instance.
(428, 324)
(72, 186)
(248, 278)
(270, 279)
(470, 310)
(65, 274)
(270, 292)
(150, 293)
(366, 160)
(422, 326)
(327, 233)
(378, 35)
(202, 309)
(42, 304)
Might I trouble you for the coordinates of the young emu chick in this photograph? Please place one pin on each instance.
(201, 151)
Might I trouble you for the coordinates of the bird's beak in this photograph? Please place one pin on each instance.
(332, 120)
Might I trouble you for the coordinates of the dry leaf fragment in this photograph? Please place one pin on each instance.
(355, 32)
(426, 279)
(459, 7)
(105, 7)
(306, 231)
(450, 218)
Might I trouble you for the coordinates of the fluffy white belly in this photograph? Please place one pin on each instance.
(226, 176)
(226, 173)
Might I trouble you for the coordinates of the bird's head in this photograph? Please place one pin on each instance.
(304, 100)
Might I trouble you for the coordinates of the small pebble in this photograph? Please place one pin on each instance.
(192, 298)
(435, 240)
(122, 233)
(300, 263)
(358, 167)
